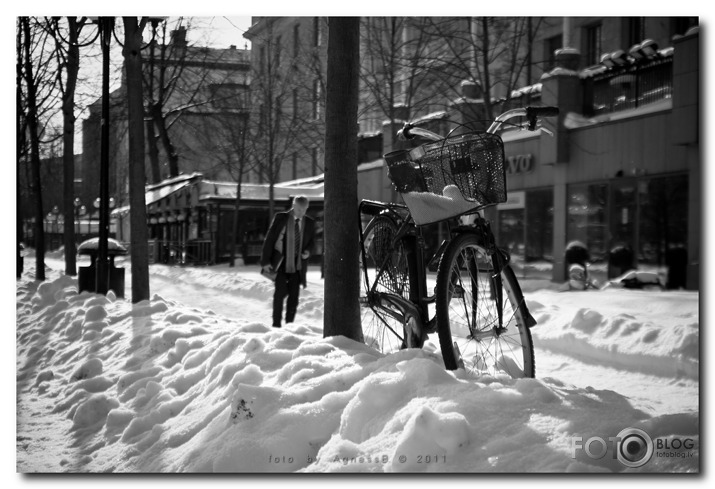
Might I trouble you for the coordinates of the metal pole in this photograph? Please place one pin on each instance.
(106, 25)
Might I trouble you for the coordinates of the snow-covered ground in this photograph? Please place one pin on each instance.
(196, 380)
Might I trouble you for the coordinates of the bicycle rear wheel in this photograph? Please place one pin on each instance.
(473, 330)
(385, 270)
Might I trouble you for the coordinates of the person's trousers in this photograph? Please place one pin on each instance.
(287, 284)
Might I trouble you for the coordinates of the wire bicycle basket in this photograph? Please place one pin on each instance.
(451, 177)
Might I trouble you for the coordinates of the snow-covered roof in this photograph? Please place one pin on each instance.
(257, 191)
(527, 90)
(599, 68)
(161, 189)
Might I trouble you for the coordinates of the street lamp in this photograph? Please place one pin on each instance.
(55, 213)
(51, 219)
(79, 210)
(95, 204)
(106, 26)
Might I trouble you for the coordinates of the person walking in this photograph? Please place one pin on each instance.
(290, 236)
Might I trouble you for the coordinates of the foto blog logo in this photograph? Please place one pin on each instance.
(632, 447)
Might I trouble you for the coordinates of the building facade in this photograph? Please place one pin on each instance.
(622, 169)
(623, 166)
(288, 60)
(191, 218)
(204, 98)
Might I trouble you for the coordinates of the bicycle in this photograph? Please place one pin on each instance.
(479, 312)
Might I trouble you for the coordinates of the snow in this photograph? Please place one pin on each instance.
(196, 380)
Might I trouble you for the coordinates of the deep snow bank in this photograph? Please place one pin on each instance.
(158, 386)
(651, 332)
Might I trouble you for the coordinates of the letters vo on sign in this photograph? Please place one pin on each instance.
(519, 164)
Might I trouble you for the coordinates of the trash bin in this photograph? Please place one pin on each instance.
(676, 259)
(87, 278)
(620, 260)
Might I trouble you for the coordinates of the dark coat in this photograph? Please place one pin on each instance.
(274, 231)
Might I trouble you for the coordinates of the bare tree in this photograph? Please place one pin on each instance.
(393, 72)
(274, 134)
(67, 57)
(227, 131)
(38, 89)
(178, 84)
(20, 132)
(491, 52)
(342, 311)
(160, 83)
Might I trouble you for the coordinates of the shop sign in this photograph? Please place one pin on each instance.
(518, 164)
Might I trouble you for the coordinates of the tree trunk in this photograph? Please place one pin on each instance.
(139, 247)
(235, 228)
(160, 123)
(153, 150)
(20, 143)
(32, 126)
(68, 145)
(487, 79)
(150, 128)
(342, 312)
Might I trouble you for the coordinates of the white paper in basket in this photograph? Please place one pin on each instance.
(427, 207)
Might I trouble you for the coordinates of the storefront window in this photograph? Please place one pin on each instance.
(511, 232)
(539, 225)
(587, 206)
(663, 217)
(624, 208)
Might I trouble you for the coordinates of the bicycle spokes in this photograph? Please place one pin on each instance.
(385, 272)
(483, 319)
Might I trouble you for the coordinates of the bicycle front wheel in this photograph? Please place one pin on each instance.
(480, 323)
(385, 270)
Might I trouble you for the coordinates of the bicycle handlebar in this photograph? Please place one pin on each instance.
(532, 114)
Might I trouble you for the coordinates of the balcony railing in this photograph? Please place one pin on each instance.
(629, 87)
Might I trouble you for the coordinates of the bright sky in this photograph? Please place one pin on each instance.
(219, 32)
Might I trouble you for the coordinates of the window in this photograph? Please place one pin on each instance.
(635, 31)
(296, 40)
(592, 49)
(587, 216)
(550, 46)
(316, 32)
(539, 225)
(663, 223)
(511, 232)
(314, 158)
(680, 25)
(261, 119)
(316, 99)
(278, 51)
(278, 112)
(295, 103)
(228, 95)
(261, 58)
